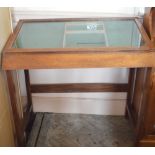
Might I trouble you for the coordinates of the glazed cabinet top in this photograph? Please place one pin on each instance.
(78, 43)
(77, 34)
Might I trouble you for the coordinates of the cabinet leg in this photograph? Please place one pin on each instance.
(146, 119)
(29, 115)
(126, 113)
(28, 88)
(18, 120)
(131, 85)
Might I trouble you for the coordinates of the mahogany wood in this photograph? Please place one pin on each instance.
(140, 100)
(18, 122)
(90, 60)
(145, 35)
(137, 103)
(78, 87)
(29, 116)
(131, 85)
(146, 122)
(150, 109)
(143, 102)
(138, 91)
(15, 58)
(147, 141)
(149, 23)
(140, 88)
(28, 88)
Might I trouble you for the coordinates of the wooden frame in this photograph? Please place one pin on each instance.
(141, 103)
(17, 58)
(78, 87)
(137, 59)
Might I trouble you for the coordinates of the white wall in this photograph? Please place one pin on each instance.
(94, 103)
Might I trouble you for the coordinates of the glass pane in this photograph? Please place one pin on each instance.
(105, 33)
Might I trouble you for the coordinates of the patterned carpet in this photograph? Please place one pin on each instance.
(64, 130)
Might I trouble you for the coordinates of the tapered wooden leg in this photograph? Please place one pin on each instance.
(141, 105)
(131, 85)
(28, 88)
(29, 116)
(18, 120)
(145, 128)
(150, 104)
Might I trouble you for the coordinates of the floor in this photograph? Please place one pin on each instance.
(64, 130)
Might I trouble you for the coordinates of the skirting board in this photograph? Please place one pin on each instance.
(96, 106)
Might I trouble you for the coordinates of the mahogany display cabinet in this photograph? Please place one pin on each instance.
(119, 42)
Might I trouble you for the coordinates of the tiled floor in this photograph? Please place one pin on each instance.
(51, 129)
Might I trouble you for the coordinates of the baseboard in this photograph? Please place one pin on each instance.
(96, 106)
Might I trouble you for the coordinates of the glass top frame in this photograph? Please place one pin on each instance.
(20, 24)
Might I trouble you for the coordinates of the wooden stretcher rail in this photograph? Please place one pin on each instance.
(78, 87)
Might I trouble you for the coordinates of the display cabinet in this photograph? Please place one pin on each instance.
(86, 43)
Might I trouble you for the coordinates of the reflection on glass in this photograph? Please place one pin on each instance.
(115, 33)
